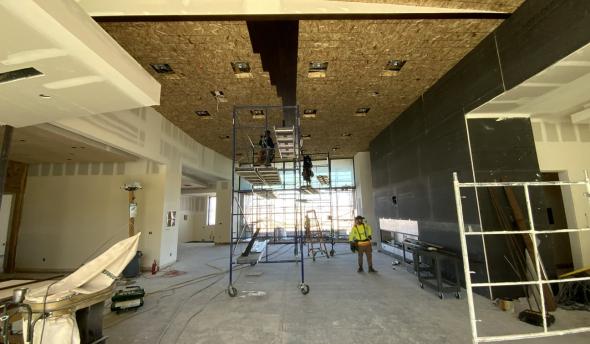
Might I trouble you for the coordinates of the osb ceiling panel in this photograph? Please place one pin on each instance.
(356, 52)
(508, 6)
(201, 53)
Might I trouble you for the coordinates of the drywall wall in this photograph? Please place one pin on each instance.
(72, 212)
(364, 191)
(193, 220)
(565, 148)
(146, 133)
(223, 216)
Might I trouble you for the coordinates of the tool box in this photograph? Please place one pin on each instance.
(127, 299)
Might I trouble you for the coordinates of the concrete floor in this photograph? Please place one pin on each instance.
(343, 306)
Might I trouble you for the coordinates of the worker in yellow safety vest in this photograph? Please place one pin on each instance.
(360, 241)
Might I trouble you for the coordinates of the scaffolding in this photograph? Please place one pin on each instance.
(539, 281)
(260, 175)
(318, 195)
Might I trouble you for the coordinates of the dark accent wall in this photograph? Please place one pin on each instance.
(415, 156)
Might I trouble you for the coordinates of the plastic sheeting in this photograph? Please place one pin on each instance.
(94, 276)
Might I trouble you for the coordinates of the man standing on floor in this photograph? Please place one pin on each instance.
(360, 241)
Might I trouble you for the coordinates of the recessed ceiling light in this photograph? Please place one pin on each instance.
(374, 94)
(224, 137)
(346, 134)
(257, 114)
(44, 96)
(241, 69)
(361, 112)
(393, 67)
(219, 96)
(306, 136)
(22, 140)
(335, 148)
(309, 113)
(203, 113)
(162, 68)
(317, 69)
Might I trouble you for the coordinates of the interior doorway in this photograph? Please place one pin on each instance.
(556, 219)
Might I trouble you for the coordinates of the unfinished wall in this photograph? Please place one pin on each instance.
(223, 216)
(146, 133)
(73, 212)
(565, 148)
(194, 226)
(364, 191)
(415, 156)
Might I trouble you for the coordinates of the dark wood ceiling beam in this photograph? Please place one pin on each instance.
(295, 17)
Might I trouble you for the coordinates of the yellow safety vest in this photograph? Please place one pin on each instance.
(360, 233)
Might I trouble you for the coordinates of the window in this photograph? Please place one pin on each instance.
(211, 205)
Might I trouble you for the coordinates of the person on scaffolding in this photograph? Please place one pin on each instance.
(267, 149)
(307, 169)
(360, 242)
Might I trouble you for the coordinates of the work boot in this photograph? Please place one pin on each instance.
(371, 269)
(360, 269)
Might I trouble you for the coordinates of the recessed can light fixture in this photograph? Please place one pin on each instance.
(241, 69)
(257, 114)
(393, 67)
(309, 113)
(162, 68)
(346, 134)
(44, 96)
(219, 96)
(306, 136)
(317, 69)
(203, 113)
(362, 112)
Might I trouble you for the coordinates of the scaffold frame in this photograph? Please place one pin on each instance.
(539, 282)
(289, 155)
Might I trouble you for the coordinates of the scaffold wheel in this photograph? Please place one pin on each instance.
(304, 289)
(232, 291)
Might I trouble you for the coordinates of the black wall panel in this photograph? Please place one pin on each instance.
(414, 158)
(540, 33)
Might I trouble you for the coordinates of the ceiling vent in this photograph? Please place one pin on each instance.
(19, 74)
(257, 114)
(317, 69)
(362, 112)
(393, 67)
(162, 68)
(219, 96)
(309, 113)
(241, 69)
(203, 113)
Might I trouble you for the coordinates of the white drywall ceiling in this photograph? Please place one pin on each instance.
(84, 70)
(560, 92)
(97, 8)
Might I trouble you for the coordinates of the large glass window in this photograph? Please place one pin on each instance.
(211, 207)
(276, 213)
